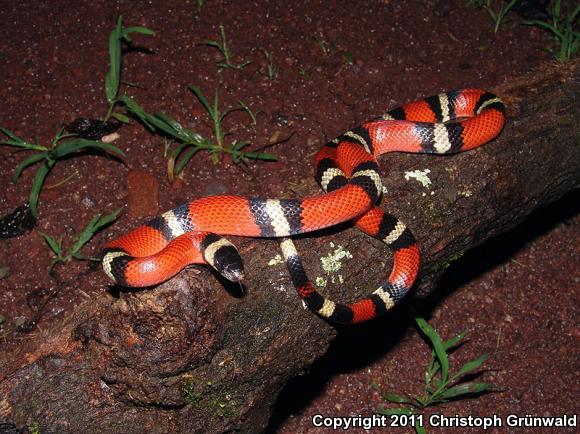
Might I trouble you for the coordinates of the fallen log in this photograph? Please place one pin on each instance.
(191, 357)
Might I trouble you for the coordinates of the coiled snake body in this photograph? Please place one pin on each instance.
(347, 170)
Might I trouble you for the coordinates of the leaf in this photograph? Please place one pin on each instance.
(185, 159)
(464, 389)
(202, 99)
(19, 142)
(238, 146)
(420, 429)
(28, 162)
(85, 235)
(138, 29)
(110, 87)
(120, 117)
(261, 156)
(39, 178)
(181, 133)
(399, 399)
(78, 144)
(108, 218)
(250, 113)
(454, 341)
(10, 134)
(470, 366)
(96, 223)
(137, 110)
(113, 75)
(212, 44)
(437, 346)
(53, 244)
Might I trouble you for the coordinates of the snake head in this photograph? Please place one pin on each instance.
(224, 257)
(228, 262)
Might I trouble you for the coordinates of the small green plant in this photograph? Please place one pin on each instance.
(113, 77)
(62, 146)
(496, 13)
(271, 68)
(562, 27)
(190, 142)
(62, 255)
(217, 117)
(347, 56)
(226, 60)
(323, 44)
(200, 5)
(440, 384)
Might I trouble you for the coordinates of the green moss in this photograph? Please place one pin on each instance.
(465, 193)
(224, 406)
(34, 428)
(189, 393)
(446, 263)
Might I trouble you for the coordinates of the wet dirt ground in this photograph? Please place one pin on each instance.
(337, 64)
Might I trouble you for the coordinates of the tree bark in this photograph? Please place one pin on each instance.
(190, 356)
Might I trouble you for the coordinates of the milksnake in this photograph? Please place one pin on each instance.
(347, 170)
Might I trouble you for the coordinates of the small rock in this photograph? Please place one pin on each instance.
(18, 222)
(92, 129)
(87, 202)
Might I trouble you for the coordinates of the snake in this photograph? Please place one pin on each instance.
(347, 170)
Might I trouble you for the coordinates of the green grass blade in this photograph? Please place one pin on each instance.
(454, 341)
(110, 87)
(28, 162)
(182, 133)
(120, 117)
(86, 234)
(179, 149)
(39, 178)
(76, 145)
(212, 44)
(202, 99)
(437, 346)
(113, 75)
(18, 142)
(260, 156)
(469, 366)
(398, 399)
(158, 122)
(138, 29)
(463, 389)
(13, 136)
(96, 223)
(187, 155)
(53, 244)
(250, 113)
(137, 110)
